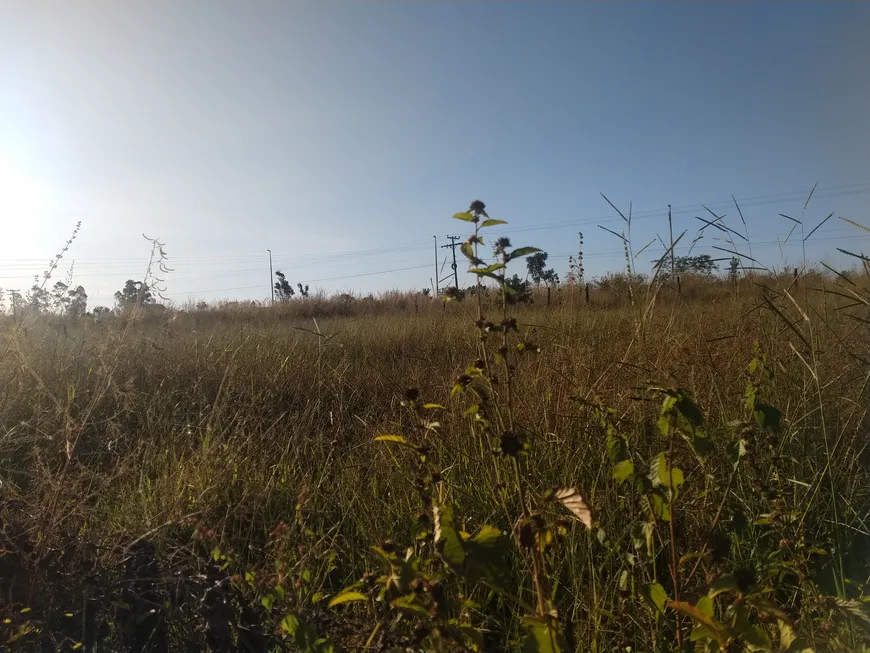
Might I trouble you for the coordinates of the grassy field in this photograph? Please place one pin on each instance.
(210, 479)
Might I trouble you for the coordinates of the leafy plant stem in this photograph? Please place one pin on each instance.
(674, 566)
(715, 521)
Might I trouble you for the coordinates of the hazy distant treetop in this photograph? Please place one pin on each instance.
(537, 271)
(133, 293)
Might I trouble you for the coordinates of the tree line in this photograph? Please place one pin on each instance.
(71, 301)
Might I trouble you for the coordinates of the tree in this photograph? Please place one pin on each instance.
(702, 264)
(134, 293)
(78, 302)
(59, 298)
(69, 301)
(38, 299)
(100, 311)
(536, 265)
(303, 290)
(16, 302)
(733, 268)
(283, 289)
(518, 289)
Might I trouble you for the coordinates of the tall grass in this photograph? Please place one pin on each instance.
(164, 474)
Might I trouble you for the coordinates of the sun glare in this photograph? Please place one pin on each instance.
(18, 194)
(21, 200)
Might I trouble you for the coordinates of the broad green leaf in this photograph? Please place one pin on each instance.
(656, 596)
(481, 272)
(753, 635)
(623, 470)
(409, 603)
(716, 630)
(473, 636)
(487, 556)
(705, 606)
(642, 484)
(660, 505)
(750, 395)
(689, 410)
(466, 217)
(786, 635)
(541, 637)
(267, 601)
(649, 529)
(617, 449)
(433, 406)
(642, 536)
(522, 251)
(675, 478)
(306, 637)
(736, 449)
(699, 634)
(688, 557)
(768, 417)
(488, 536)
(669, 401)
(725, 584)
(491, 223)
(447, 540)
(657, 467)
(753, 365)
(623, 580)
(661, 474)
(664, 424)
(347, 597)
(290, 624)
(404, 575)
(700, 443)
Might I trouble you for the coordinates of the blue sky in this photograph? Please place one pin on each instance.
(343, 136)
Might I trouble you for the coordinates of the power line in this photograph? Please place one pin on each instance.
(856, 189)
(830, 191)
(314, 261)
(420, 267)
(349, 276)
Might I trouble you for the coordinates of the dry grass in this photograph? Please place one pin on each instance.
(151, 431)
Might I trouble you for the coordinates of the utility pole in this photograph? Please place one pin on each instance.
(437, 290)
(453, 245)
(674, 276)
(271, 277)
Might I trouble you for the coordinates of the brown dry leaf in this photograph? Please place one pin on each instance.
(576, 505)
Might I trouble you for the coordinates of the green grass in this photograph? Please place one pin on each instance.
(145, 458)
